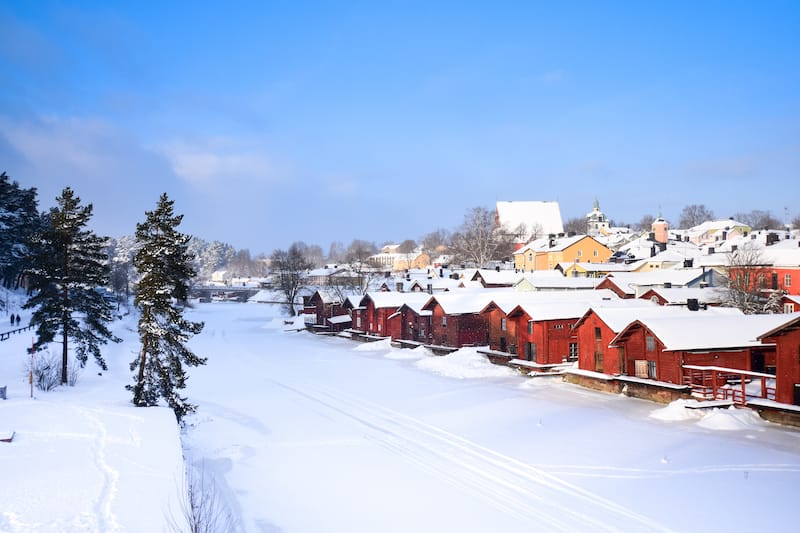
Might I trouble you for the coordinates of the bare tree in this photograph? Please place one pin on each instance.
(290, 271)
(646, 223)
(746, 279)
(435, 242)
(694, 215)
(362, 270)
(410, 251)
(575, 225)
(337, 252)
(201, 508)
(478, 241)
(796, 222)
(758, 219)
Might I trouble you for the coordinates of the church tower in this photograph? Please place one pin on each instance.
(596, 221)
(660, 229)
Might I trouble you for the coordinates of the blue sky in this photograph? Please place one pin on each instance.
(270, 122)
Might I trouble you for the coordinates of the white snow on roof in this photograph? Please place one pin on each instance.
(617, 314)
(702, 331)
(566, 304)
(394, 299)
(682, 294)
(340, 319)
(680, 277)
(493, 277)
(465, 302)
(534, 215)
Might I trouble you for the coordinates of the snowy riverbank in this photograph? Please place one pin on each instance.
(300, 433)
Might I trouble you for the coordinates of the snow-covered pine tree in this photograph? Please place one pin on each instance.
(19, 220)
(165, 267)
(67, 266)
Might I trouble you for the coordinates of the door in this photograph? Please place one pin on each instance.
(503, 346)
(757, 362)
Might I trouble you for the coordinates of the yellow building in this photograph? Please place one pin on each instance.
(545, 254)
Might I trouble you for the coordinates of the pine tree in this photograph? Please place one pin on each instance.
(67, 265)
(19, 220)
(165, 267)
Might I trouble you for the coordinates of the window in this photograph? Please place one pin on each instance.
(502, 324)
(651, 369)
(580, 253)
(788, 308)
(598, 334)
(530, 327)
(410, 329)
(650, 343)
(573, 351)
(762, 281)
(444, 321)
(787, 280)
(596, 253)
(558, 326)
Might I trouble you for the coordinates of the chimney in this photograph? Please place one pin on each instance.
(497, 268)
(667, 284)
(688, 263)
(692, 304)
(710, 250)
(399, 286)
(430, 288)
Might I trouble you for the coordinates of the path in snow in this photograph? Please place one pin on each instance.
(509, 485)
(307, 433)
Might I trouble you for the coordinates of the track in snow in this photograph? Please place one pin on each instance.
(512, 486)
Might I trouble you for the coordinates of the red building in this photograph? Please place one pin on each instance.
(379, 306)
(324, 305)
(456, 318)
(786, 338)
(544, 331)
(657, 348)
(411, 323)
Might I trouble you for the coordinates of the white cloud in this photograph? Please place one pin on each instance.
(218, 160)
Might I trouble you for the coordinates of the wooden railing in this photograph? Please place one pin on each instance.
(7, 334)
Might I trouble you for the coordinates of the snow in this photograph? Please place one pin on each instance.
(304, 433)
(465, 363)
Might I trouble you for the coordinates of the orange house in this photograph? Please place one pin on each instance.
(546, 254)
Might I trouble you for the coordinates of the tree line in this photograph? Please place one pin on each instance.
(65, 267)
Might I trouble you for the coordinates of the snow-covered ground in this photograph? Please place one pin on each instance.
(301, 433)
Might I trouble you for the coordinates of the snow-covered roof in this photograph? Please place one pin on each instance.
(545, 216)
(791, 319)
(600, 267)
(561, 305)
(328, 296)
(494, 277)
(680, 295)
(546, 244)
(465, 302)
(629, 281)
(617, 314)
(394, 299)
(340, 319)
(556, 283)
(708, 331)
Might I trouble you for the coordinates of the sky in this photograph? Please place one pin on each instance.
(273, 122)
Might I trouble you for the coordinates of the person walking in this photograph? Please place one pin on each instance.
(12, 319)
(18, 319)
